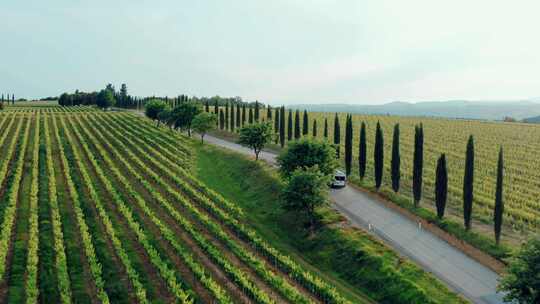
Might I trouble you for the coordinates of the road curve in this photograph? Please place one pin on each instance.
(460, 272)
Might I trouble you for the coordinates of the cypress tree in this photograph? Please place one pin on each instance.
(282, 126)
(243, 114)
(221, 119)
(226, 116)
(13, 99)
(305, 127)
(378, 156)
(468, 181)
(289, 126)
(325, 134)
(396, 161)
(362, 151)
(216, 108)
(232, 117)
(276, 126)
(238, 120)
(337, 135)
(256, 111)
(314, 128)
(297, 125)
(441, 186)
(250, 116)
(348, 145)
(418, 163)
(207, 107)
(268, 113)
(499, 203)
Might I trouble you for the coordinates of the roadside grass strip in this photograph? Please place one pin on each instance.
(169, 275)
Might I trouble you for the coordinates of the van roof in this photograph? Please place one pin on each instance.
(340, 173)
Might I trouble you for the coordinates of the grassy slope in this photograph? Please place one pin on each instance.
(349, 258)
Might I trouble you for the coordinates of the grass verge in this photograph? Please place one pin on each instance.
(357, 264)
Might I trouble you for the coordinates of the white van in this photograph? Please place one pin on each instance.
(340, 179)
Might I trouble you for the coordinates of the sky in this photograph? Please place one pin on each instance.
(278, 52)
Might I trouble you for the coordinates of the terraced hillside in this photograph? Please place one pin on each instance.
(102, 208)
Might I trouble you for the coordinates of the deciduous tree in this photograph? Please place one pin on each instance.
(308, 153)
(204, 122)
(255, 136)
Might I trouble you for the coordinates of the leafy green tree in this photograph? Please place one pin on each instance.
(378, 155)
(308, 153)
(296, 125)
(183, 115)
(499, 203)
(348, 144)
(521, 283)
(305, 191)
(362, 152)
(314, 128)
(105, 99)
(337, 135)
(418, 163)
(468, 183)
(256, 136)
(221, 119)
(165, 116)
(441, 186)
(153, 108)
(305, 127)
(289, 126)
(325, 133)
(204, 122)
(123, 96)
(282, 127)
(396, 161)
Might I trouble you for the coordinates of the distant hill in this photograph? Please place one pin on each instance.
(489, 110)
(535, 119)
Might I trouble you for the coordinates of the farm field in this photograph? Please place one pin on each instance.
(102, 207)
(521, 143)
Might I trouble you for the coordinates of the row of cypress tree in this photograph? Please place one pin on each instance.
(7, 99)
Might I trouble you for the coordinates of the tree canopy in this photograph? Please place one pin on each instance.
(153, 108)
(255, 136)
(105, 99)
(308, 153)
(204, 122)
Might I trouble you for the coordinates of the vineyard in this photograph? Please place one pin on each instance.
(519, 141)
(102, 208)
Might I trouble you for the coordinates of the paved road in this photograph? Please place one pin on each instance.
(460, 272)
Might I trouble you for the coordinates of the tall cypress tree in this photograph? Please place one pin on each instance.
(441, 186)
(221, 119)
(418, 163)
(314, 128)
(276, 126)
(305, 127)
(362, 151)
(243, 114)
(348, 144)
(250, 116)
(256, 111)
(232, 117)
(216, 108)
(337, 135)
(238, 120)
(499, 203)
(325, 134)
(207, 107)
(289, 126)
(282, 126)
(396, 160)
(268, 113)
(227, 115)
(378, 156)
(297, 125)
(468, 183)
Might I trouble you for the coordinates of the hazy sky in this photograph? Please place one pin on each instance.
(278, 51)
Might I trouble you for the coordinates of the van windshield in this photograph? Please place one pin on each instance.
(340, 178)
